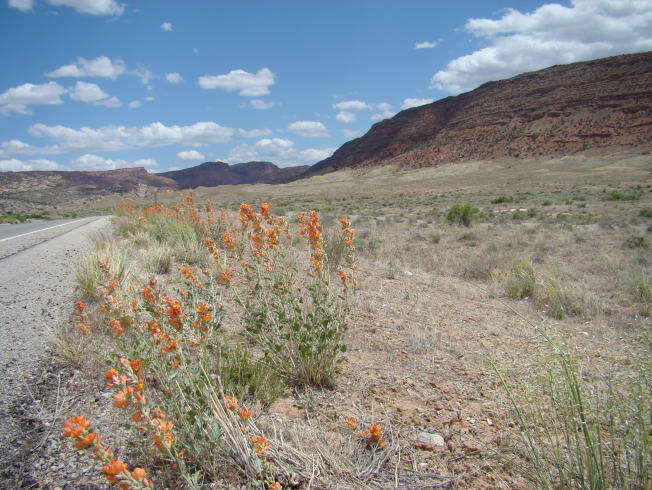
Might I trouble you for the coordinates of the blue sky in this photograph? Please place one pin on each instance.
(101, 84)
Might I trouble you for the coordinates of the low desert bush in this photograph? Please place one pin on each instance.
(616, 195)
(502, 199)
(462, 214)
(521, 281)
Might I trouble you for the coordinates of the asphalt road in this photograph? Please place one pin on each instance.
(8, 232)
(36, 296)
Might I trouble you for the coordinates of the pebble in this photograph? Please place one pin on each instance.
(430, 441)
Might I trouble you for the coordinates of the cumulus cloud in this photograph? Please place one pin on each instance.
(123, 137)
(254, 133)
(426, 44)
(22, 5)
(15, 165)
(519, 42)
(351, 105)
(380, 110)
(384, 110)
(96, 162)
(247, 84)
(309, 129)
(92, 94)
(101, 67)
(346, 117)
(260, 104)
(414, 102)
(144, 75)
(279, 151)
(191, 156)
(15, 147)
(91, 7)
(166, 26)
(135, 104)
(173, 77)
(351, 133)
(18, 99)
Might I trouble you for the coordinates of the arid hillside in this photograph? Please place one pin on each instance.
(211, 174)
(594, 105)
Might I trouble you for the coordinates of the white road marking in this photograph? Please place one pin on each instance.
(43, 229)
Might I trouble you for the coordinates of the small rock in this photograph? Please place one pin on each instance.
(430, 441)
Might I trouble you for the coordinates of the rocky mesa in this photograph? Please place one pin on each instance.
(211, 174)
(598, 105)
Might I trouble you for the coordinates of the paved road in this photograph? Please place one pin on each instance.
(9, 232)
(14, 238)
(36, 295)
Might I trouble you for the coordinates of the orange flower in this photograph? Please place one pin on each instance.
(351, 422)
(244, 414)
(114, 468)
(373, 435)
(138, 474)
(111, 376)
(227, 240)
(80, 306)
(260, 445)
(82, 442)
(264, 208)
(225, 276)
(136, 417)
(75, 426)
(135, 365)
(230, 402)
(275, 486)
(119, 400)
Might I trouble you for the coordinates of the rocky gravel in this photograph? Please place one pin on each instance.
(36, 297)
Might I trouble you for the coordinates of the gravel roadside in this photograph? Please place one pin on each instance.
(36, 296)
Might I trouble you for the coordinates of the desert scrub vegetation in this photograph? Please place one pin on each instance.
(575, 433)
(462, 214)
(190, 354)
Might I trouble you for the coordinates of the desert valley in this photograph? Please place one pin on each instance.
(460, 297)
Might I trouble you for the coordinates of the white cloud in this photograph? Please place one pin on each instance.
(254, 133)
(149, 99)
(96, 162)
(551, 34)
(93, 94)
(18, 99)
(247, 84)
(92, 7)
(191, 156)
(22, 5)
(166, 26)
(144, 75)
(279, 151)
(351, 105)
(16, 165)
(260, 104)
(415, 102)
(101, 67)
(351, 133)
(309, 129)
(135, 104)
(173, 77)
(426, 44)
(123, 137)
(346, 117)
(384, 111)
(15, 147)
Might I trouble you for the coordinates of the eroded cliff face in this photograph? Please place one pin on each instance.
(211, 174)
(598, 105)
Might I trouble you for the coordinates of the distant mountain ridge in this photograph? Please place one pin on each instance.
(564, 109)
(120, 180)
(210, 174)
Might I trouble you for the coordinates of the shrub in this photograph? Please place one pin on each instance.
(434, 238)
(522, 280)
(636, 241)
(462, 214)
(616, 195)
(639, 282)
(645, 213)
(502, 199)
(547, 202)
